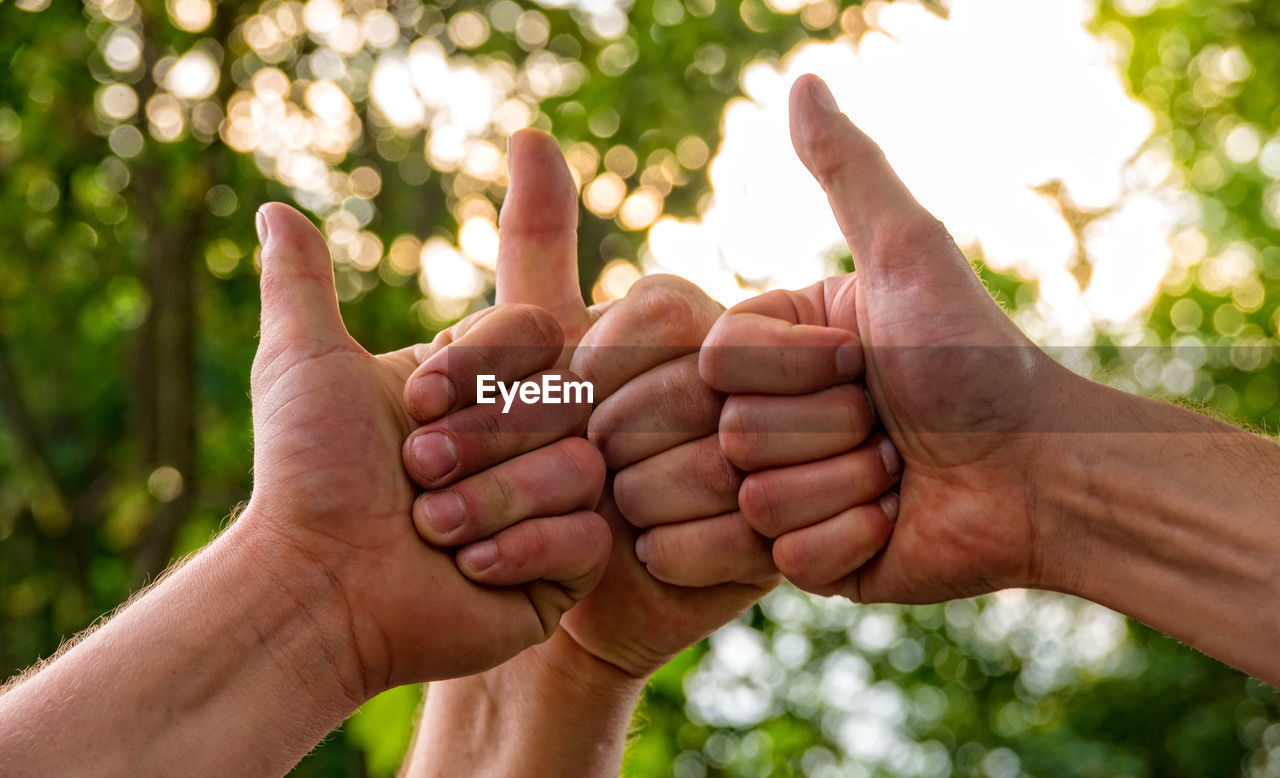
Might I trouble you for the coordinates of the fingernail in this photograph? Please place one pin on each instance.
(642, 548)
(445, 511)
(513, 142)
(890, 456)
(436, 454)
(479, 556)
(822, 95)
(264, 229)
(889, 504)
(849, 360)
(433, 396)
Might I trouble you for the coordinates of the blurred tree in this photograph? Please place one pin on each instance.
(137, 137)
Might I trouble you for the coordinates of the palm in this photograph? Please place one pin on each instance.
(329, 426)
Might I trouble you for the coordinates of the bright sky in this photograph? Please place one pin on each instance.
(975, 112)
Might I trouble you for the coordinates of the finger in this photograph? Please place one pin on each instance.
(777, 344)
(691, 481)
(570, 550)
(657, 410)
(661, 318)
(820, 557)
(564, 476)
(895, 242)
(759, 431)
(299, 300)
(480, 436)
(424, 351)
(707, 552)
(865, 194)
(785, 499)
(538, 229)
(511, 343)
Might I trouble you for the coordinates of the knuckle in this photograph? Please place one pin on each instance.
(686, 401)
(579, 466)
(741, 432)
(602, 432)
(481, 432)
(658, 559)
(535, 542)
(714, 470)
(712, 358)
(831, 157)
(798, 561)
(856, 408)
(596, 534)
(628, 494)
(536, 325)
(466, 362)
(674, 313)
(497, 493)
(915, 237)
(757, 501)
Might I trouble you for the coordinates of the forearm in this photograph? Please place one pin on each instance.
(1171, 519)
(223, 667)
(551, 711)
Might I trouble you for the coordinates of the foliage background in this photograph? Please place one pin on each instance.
(128, 316)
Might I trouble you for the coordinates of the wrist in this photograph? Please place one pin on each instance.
(1066, 452)
(303, 614)
(553, 710)
(563, 661)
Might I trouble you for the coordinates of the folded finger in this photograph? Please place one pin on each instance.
(759, 431)
(707, 552)
(508, 344)
(691, 481)
(663, 407)
(565, 476)
(778, 343)
(661, 318)
(784, 499)
(570, 551)
(480, 436)
(819, 558)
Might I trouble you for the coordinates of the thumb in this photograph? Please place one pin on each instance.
(872, 206)
(538, 230)
(298, 296)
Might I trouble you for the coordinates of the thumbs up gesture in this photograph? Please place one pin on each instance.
(655, 421)
(960, 390)
(330, 421)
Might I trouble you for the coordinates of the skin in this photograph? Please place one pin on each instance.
(1015, 471)
(321, 594)
(655, 422)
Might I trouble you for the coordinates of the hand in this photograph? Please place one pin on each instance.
(633, 622)
(329, 424)
(685, 561)
(960, 390)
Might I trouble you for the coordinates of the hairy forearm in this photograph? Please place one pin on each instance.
(225, 666)
(551, 711)
(1170, 518)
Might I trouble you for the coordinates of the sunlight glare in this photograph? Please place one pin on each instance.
(975, 139)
